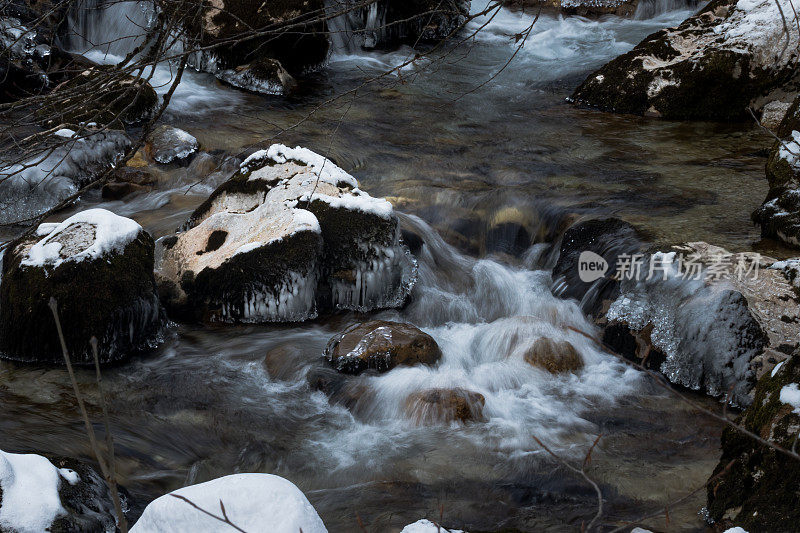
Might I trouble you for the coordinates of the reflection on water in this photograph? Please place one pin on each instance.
(497, 169)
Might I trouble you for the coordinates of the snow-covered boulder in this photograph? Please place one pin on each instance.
(99, 268)
(714, 322)
(289, 233)
(168, 143)
(380, 345)
(754, 486)
(731, 55)
(779, 215)
(57, 494)
(253, 502)
(426, 526)
(69, 161)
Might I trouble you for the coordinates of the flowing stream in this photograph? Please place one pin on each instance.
(484, 162)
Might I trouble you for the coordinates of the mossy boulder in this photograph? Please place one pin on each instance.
(438, 406)
(553, 356)
(361, 263)
(99, 268)
(84, 498)
(713, 66)
(380, 345)
(102, 94)
(755, 486)
(779, 215)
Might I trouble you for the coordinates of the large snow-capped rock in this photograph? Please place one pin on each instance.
(779, 215)
(715, 334)
(714, 65)
(99, 268)
(253, 502)
(54, 494)
(753, 486)
(288, 234)
(68, 161)
(426, 526)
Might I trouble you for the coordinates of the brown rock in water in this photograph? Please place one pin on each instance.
(445, 405)
(553, 356)
(380, 345)
(284, 361)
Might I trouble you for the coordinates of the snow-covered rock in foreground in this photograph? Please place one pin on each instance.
(68, 162)
(713, 333)
(729, 56)
(37, 495)
(99, 268)
(754, 487)
(253, 502)
(289, 233)
(426, 526)
(168, 143)
(779, 215)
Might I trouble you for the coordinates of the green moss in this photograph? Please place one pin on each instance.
(759, 490)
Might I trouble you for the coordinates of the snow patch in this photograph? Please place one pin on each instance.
(30, 500)
(111, 234)
(790, 150)
(426, 526)
(791, 394)
(254, 502)
(323, 167)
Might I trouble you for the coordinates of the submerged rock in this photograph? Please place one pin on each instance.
(168, 143)
(99, 268)
(779, 215)
(706, 327)
(436, 406)
(597, 244)
(291, 233)
(254, 502)
(758, 491)
(729, 56)
(553, 356)
(69, 160)
(55, 494)
(127, 180)
(380, 345)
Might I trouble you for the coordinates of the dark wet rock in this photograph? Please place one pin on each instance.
(99, 268)
(436, 406)
(380, 345)
(680, 73)
(73, 160)
(264, 76)
(82, 493)
(102, 94)
(168, 143)
(264, 62)
(779, 215)
(284, 361)
(712, 323)
(125, 181)
(581, 8)
(389, 23)
(754, 486)
(607, 238)
(354, 260)
(553, 356)
(341, 389)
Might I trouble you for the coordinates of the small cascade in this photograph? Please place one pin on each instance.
(103, 28)
(648, 9)
(353, 29)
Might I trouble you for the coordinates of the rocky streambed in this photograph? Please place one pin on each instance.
(383, 316)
